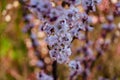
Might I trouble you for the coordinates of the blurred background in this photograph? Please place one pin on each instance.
(13, 52)
(17, 58)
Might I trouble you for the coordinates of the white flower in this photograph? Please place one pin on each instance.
(34, 2)
(90, 28)
(79, 26)
(43, 76)
(33, 36)
(51, 40)
(88, 5)
(110, 17)
(97, 1)
(72, 14)
(49, 29)
(74, 2)
(53, 54)
(54, 13)
(66, 38)
(62, 58)
(75, 65)
(67, 51)
(61, 26)
(80, 36)
(40, 63)
(108, 27)
(44, 6)
(77, 2)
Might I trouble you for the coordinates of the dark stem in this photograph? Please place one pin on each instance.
(84, 76)
(54, 72)
(86, 34)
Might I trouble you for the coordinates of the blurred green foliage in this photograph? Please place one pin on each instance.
(13, 50)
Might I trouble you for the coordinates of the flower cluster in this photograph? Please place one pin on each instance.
(62, 25)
